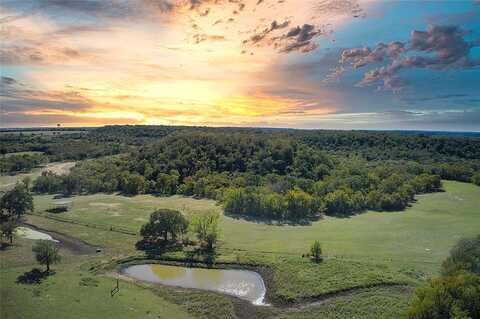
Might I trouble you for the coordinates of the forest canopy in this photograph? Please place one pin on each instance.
(263, 173)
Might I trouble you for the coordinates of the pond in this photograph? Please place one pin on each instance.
(244, 284)
(33, 234)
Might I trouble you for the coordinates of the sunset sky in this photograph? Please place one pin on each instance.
(340, 64)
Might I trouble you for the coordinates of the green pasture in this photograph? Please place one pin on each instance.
(374, 260)
(419, 237)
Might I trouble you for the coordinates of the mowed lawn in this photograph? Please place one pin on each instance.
(420, 236)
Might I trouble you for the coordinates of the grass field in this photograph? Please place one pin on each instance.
(122, 211)
(74, 293)
(419, 237)
(374, 260)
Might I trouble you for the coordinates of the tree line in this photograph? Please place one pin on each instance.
(16, 163)
(275, 174)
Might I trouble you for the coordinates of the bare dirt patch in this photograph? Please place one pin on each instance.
(59, 168)
(73, 244)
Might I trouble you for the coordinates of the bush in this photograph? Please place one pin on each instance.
(448, 297)
(316, 251)
(464, 256)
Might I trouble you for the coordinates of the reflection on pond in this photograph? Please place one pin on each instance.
(244, 284)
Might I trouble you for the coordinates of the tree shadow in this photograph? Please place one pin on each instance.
(5, 246)
(33, 277)
(207, 256)
(156, 249)
(275, 222)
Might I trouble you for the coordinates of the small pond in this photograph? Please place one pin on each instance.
(244, 284)
(33, 234)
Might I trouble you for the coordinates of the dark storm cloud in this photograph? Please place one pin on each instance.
(437, 48)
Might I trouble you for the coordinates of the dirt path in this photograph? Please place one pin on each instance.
(75, 245)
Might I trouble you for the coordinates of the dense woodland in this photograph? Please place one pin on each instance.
(262, 173)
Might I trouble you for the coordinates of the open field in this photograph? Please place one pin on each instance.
(419, 237)
(73, 292)
(374, 260)
(122, 211)
(8, 181)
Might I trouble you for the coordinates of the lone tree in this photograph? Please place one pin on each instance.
(316, 251)
(46, 253)
(205, 225)
(13, 205)
(164, 223)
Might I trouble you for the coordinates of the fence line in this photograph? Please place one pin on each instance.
(91, 225)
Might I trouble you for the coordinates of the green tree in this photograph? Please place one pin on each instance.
(46, 253)
(464, 256)
(300, 204)
(206, 226)
(166, 184)
(27, 181)
(448, 297)
(132, 184)
(8, 227)
(17, 201)
(316, 251)
(70, 184)
(164, 223)
(13, 205)
(476, 178)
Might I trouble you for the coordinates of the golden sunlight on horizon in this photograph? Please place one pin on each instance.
(208, 64)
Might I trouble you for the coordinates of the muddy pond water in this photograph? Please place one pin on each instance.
(244, 284)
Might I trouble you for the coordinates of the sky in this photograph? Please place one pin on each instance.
(326, 64)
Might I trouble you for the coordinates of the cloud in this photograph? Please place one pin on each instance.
(359, 57)
(27, 55)
(437, 48)
(198, 38)
(299, 38)
(256, 38)
(6, 80)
